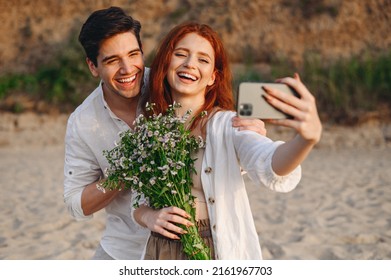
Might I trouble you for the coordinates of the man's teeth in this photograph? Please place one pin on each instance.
(188, 76)
(127, 80)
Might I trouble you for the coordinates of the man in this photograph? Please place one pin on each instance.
(111, 40)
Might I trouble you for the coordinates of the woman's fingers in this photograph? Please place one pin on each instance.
(166, 220)
(305, 118)
(297, 85)
(287, 106)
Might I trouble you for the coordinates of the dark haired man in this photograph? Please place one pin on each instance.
(111, 40)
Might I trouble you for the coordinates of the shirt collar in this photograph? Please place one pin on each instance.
(107, 107)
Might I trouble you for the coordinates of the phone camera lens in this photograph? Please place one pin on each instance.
(246, 109)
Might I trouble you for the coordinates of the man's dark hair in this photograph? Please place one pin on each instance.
(104, 24)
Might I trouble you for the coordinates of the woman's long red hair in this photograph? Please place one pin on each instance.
(218, 95)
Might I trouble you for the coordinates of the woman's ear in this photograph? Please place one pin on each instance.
(92, 67)
(212, 79)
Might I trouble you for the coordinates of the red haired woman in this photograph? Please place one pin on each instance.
(191, 68)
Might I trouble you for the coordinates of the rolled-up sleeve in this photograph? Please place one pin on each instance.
(80, 169)
(255, 154)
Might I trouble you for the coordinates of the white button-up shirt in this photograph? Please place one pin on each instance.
(91, 129)
(227, 151)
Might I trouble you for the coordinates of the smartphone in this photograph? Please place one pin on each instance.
(252, 104)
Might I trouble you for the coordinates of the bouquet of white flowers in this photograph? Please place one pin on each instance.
(155, 161)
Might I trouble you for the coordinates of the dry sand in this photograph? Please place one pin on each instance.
(340, 210)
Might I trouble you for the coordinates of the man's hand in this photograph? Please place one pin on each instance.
(94, 199)
(255, 125)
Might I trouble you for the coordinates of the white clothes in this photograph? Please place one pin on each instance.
(91, 129)
(227, 151)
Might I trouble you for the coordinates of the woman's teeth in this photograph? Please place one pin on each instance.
(187, 76)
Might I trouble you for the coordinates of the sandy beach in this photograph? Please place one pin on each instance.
(340, 210)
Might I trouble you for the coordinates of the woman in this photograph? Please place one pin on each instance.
(191, 68)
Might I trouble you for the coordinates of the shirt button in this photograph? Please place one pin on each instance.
(214, 227)
(211, 200)
(208, 170)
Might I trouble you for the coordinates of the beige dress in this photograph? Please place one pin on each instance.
(163, 248)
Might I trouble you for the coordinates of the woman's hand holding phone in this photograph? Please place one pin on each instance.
(304, 114)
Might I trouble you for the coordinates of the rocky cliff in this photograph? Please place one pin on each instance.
(31, 32)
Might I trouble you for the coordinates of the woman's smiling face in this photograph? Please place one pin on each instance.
(192, 66)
